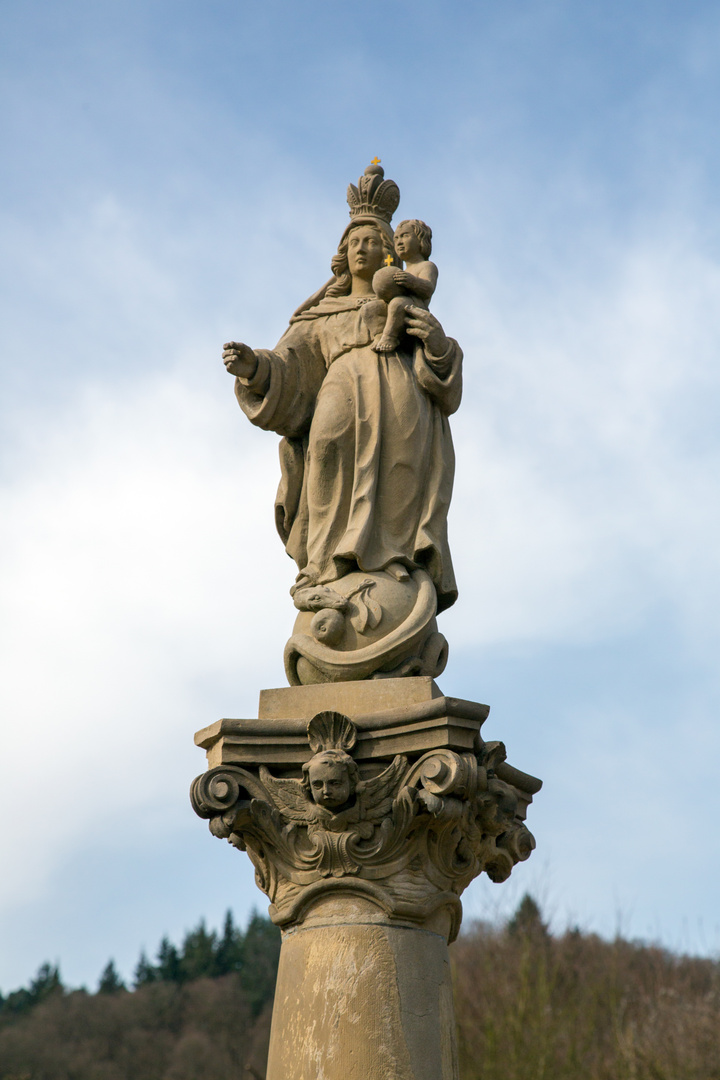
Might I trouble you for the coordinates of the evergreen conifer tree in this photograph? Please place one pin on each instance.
(110, 981)
(169, 968)
(527, 920)
(261, 953)
(229, 952)
(145, 973)
(198, 953)
(46, 983)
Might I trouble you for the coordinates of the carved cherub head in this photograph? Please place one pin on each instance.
(330, 778)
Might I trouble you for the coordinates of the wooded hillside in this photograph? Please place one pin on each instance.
(530, 1006)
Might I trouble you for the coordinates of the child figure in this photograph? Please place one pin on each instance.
(402, 289)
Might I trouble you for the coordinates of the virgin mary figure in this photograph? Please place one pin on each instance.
(366, 453)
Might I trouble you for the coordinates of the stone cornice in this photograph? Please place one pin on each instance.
(416, 827)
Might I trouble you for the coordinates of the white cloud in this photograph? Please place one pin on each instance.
(137, 560)
(587, 474)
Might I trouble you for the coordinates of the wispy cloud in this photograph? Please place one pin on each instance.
(134, 566)
(587, 458)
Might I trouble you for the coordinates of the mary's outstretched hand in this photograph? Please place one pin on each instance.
(422, 324)
(239, 359)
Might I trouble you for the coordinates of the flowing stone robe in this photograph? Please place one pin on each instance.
(367, 456)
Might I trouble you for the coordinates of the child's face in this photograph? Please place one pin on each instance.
(329, 783)
(406, 242)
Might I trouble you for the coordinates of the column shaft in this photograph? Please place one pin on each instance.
(363, 1001)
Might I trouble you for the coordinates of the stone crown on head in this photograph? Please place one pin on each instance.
(373, 196)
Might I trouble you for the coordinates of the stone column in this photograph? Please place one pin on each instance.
(366, 809)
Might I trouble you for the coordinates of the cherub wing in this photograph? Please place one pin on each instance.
(377, 795)
(288, 796)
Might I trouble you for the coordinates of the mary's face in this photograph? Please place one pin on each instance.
(365, 252)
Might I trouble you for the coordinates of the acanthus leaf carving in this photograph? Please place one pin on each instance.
(413, 829)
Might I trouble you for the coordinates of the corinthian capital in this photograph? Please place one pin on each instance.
(407, 832)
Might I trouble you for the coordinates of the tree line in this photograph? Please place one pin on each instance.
(200, 1008)
(530, 1005)
(252, 954)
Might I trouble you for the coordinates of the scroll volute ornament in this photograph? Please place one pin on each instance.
(424, 828)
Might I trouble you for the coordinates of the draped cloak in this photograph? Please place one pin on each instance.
(367, 456)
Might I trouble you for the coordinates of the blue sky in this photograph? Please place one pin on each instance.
(174, 176)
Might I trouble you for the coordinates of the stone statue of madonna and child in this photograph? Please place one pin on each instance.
(360, 387)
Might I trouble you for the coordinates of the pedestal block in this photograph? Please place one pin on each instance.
(366, 809)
